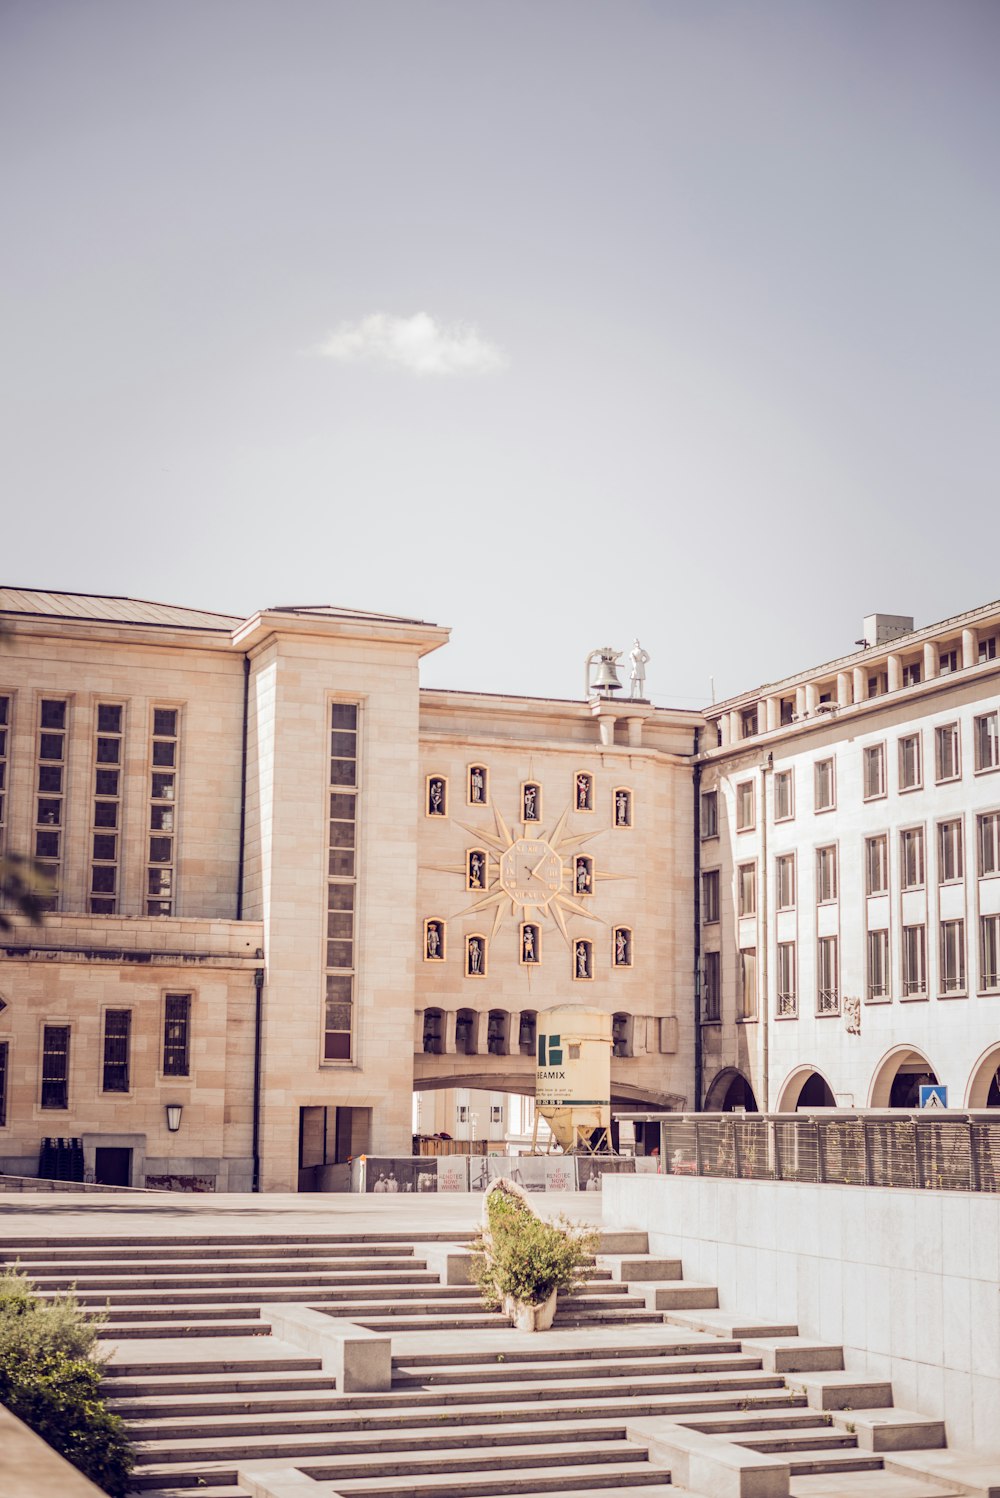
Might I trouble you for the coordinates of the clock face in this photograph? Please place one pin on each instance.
(531, 872)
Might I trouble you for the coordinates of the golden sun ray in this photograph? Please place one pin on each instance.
(492, 899)
(560, 920)
(490, 838)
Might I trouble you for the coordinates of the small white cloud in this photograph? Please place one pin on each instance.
(416, 343)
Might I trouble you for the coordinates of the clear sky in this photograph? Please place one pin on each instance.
(554, 321)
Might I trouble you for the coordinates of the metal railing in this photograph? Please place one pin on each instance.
(958, 1152)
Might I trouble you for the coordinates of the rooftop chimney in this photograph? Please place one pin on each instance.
(879, 629)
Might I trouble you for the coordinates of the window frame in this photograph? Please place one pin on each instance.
(168, 1045)
(820, 765)
(108, 1060)
(986, 922)
(708, 825)
(879, 939)
(881, 841)
(954, 855)
(785, 890)
(914, 983)
(62, 1081)
(873, 754)
(829, 1006)
(951, 942)
(985, 819)
(746, 889)
(919, 841)
(786, 980)
(980, 765)
(747, 989)
(953, 730)
(786, 778)
(746, 800)
(710, 881)
(711, 999)
(827, 875)
(917, 782)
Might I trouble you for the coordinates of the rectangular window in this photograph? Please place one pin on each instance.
(745, 806)
(117, 1034)
(748, 982)
(748, 722)
(946, 756)
(746, 884)
(784, 868)
(952, 957)
(988, 649)
(825, 785)
(909, 762)
(709, 813)
(108, 757)
(342, 877)
(914, 961)
(826, 875)
(787, 1000)
(55, 1066)
(911, 674)
(784, 796)
(878, 965)
(878, 684)
(947, 662)
(988, 839)
(827, 984)
(177, 1035)
(3, 1083)
(4, 735)
(161, 851)
(712, 997)
(787, 710)
(949, 852)
(911, 858)
(877, 865)
(989, 954)
(50, 804)
(987, 741)
(874, 772)
(710, 896)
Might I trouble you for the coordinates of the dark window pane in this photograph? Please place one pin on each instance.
(340, 925)
(3, 741)
(109, 718)
(161, 849)
(46, 845)
(341, 834)
(176, 1030)
(108, 751)
(53, 714)
(340, 954)
(343, 772)
(106, 782)
(49, 813)
(339, 988)
(102, 880)
(344, 715)
(157, 907)
(105, 813)
(160, 882)
(4, 708)
(50, 745)
(102, 907)
(161, 819)
(342, 808)
(117, 1028)
(338, 1016)
(341, 863)
(105, 846)
(165, 722)
(340, 897)
(343, 745)
(55, 1066)
(50, 778)
(163, 787)
(3, 1083)
(163, 752)
(338, 1045)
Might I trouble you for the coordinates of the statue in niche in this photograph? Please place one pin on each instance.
(623, 809)
(637, 675)
(476, 862)
(583, 792)
(582, 960)
(530, 803)
(475, 956)
(435, 797)
(529, 950)
(477, 784)
(584, 878)
(621, 947)
(434, 941)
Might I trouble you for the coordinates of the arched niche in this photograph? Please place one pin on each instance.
(898, 1078)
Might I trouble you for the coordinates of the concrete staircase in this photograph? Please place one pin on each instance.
(643, 1387)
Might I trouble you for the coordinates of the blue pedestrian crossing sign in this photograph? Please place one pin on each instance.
(933, 1095)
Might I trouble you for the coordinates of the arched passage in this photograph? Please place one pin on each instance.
(806, 1088)
(729, 1090)
(984, 1084)
(899, 1077)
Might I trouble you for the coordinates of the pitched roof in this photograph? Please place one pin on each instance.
(37, 603)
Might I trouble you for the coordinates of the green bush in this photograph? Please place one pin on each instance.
(50, 1377)
(521, 1256)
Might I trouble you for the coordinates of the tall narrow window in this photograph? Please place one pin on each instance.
(987, 741)
(826, 875)
(825, 785)
(952, 957)
(909, 762)
(787, 998)
(874, 772)
(748, 982)
(709, 813)
(4, 733)
(911, 857)
(784, 795)
(161, 865)
(988, 649)
(748, 722)
(914, 961)
(989, 953)
(117, 1035)
(341, 956)
(746, 884)
(912, 674)
(177, 1035)
(828, 980)
(878, 966)
(877, 865)
(710, 896)
(55, 1066)
(949, 852)
(745, 806)
(785, 881)
(711, 999)
(988, 839)
(3, 1082)
(50, 803)
(946, 754)
(104, 835)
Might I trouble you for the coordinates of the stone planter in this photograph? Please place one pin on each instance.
(528, 1318)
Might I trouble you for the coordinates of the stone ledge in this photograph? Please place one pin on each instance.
(361, 1360)
(711, 1465)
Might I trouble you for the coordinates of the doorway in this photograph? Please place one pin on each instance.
(112, 1166)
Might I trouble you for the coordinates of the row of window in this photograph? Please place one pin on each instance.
(912, 867)
(952, 978)
(876, 684)
(530, 796)
(947, 767)
(116, 1053)
(104, 842)
(500, 1035)
(342, 883)
(529, 948)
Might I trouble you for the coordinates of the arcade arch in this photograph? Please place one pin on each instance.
(984, 1084)
(729, 1090)
(899, 1077)
(805, 1088)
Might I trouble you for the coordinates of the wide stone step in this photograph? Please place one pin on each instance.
(867, 1485)
(408, 1272)
(622, 1241)
(458, 1373)
(480, 1321)
(726, 1324)
(119, 1331)
(797, 1440)
(812, 1462)
(415, 1288)
(427, 1460)
(739, 1422)
(221, 1261)
(248, 1241)
(623, 1316)
(516, 1480)
(630, 1268)
(423, 1301)
(679, 1295)
(538, 1350)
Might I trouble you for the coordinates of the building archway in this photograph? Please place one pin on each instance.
(899, 1077)
(984, 1084)
(806, 1088)
(730, 1090)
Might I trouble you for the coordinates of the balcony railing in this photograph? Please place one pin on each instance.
(959, 1152)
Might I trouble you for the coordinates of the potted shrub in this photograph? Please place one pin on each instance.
(521, 1262)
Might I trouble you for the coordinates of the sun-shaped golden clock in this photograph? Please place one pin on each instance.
(531, 872)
